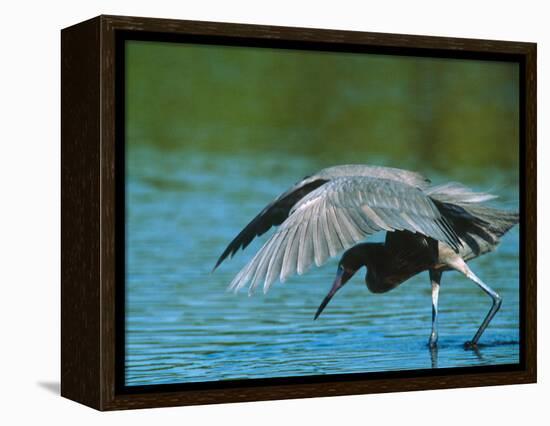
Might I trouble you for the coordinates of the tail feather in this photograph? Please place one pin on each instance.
(454, 192)
(479, 225)
(498, 222)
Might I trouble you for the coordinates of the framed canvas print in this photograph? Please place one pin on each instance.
(373, 194)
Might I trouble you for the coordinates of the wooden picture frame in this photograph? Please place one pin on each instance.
(91, 215)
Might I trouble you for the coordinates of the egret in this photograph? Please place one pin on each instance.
(428, 228)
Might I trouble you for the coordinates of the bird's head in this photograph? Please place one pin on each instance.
(352, 260)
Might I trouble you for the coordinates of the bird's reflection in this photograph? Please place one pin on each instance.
(476, 351)
(434, 354)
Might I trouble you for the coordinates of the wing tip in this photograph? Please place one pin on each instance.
(218, 263)
(228, 250)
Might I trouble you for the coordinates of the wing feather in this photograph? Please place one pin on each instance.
(327, 232)
(305, 247)
(277, 261)
(262, 262)
(337, 215)
(316, 235)
(290, 256)
(276, 212)
(348, 230)
(362, 222)
(336, 239)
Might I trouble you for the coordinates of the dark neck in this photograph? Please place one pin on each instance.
(365, 254)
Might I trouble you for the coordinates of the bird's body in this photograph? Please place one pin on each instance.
(402, 256)
(427, 229)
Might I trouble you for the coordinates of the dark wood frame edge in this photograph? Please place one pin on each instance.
(88, 213)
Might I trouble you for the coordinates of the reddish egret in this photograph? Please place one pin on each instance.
(433, 229)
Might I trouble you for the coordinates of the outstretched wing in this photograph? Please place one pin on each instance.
(278, 210)
(273, 214)
(337, 215)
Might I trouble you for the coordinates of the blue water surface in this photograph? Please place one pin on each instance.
(183, 326)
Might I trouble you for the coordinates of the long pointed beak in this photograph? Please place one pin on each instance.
(338, 282)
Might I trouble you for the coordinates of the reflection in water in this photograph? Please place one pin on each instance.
(433, 355)
(477, 352)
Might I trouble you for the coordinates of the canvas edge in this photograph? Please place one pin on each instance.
(80, 209)
(100, 393)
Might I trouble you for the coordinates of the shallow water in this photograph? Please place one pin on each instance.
(182, 325)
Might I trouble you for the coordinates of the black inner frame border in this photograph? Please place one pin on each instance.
(122, 36)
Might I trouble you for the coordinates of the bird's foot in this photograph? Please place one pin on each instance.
(470, 345)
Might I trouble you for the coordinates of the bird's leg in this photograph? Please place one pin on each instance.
(435, 278)
(497, 301)
(461, 266)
